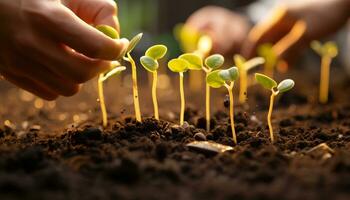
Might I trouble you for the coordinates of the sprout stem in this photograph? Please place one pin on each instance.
(324, 81)
(102, 100)
(207, 106)
(272, 99)
(154, 94)
(230, 93)
(135, 90)
(243, 86)
(182, 95)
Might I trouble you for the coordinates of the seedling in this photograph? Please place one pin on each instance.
(116, 69)
(227, 78)
(111, 32)
(327, 51)
(192, 41)
(211, 63)
(103, 77)
(150, 63)
(276, 89)
(244, 66)
(266, 51)
(180, 66)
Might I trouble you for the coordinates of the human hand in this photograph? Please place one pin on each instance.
(226, 28)
(49, 48)
(321, 18)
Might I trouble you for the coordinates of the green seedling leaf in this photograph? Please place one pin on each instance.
(109, 31)
(194, 60)
(113, 72)
(149, 63)
(254, 62)
(156, 52)
(239, 61)
(265, 81)
(133, 42)
(317, 47)
(328, 49)
(331, 49)
(230, 75)
(285, 85)
(214, 61)
(214, 79)
(178, 65)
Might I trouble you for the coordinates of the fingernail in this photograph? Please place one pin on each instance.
(124, 43)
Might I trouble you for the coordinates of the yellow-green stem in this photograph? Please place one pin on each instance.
(102, 100)
(243, 86)
(182, 96)
(324, 80)
(135, 90)
(154, 94)
(272, 99)
(230, 93)
(207, 106)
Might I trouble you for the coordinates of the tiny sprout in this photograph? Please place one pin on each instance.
(328, 51)
(150, 63)
(111, 32)
(116, 69)
(180, 66)
(211, 63)
(270, 84)
(267, 52)
(128, 58)
(103, 77)
(244, 66)
(227, 78)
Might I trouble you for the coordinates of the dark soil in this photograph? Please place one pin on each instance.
(150, 160)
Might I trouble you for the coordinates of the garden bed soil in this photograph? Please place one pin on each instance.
(151, 160)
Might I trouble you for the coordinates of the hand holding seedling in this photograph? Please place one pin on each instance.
(328, 51)
(276, 89)
(150, 62)
(37, 39)
(227, 78)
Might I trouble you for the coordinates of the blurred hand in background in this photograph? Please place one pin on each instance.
(321, 17)
(50, 47)
(227, 29)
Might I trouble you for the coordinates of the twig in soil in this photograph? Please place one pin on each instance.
(270, 84)
(327, 51)
(150, 63)
(219, 78)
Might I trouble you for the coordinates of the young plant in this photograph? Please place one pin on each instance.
(266, 51)
(327, 51)
(244, 66)
(211, 63)
(128, 58)
(227, 78)
(103, 77)
(150, 62)
(276, 89)
(111, 32)
(116, 69)
(180, 66)
(192, 41)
